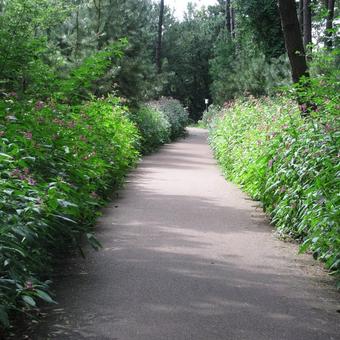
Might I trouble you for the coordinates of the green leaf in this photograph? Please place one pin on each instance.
(44, 296)
(5, 155)
(93, 241)
(29, 300)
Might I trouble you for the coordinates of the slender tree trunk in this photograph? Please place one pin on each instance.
(295, 50)
(329, 24)
(98, 6)
(232, 20)
(227, 16)
(301, 15)
(159, 40)
(293, 39)
(307, 23)
(77, 47)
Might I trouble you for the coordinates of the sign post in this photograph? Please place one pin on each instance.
(206, 104)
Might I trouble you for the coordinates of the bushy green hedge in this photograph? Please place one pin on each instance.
(57, 165)
(160, 122)
(290, 164)
(176, 114)
(154, 128)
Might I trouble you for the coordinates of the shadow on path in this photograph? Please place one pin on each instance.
(187, 256)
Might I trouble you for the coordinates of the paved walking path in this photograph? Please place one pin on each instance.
(187, 256)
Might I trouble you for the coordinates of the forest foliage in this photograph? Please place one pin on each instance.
(75, 116)
(86, 87)
(289, 164)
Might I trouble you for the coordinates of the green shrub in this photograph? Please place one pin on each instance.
(154, 128)
(290, 164)
(176, 114)
(57, 165)
(210, 115)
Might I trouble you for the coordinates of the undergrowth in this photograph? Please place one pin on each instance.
(57, 165)
(289, 163)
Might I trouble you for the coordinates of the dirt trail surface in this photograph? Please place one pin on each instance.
(188, 256)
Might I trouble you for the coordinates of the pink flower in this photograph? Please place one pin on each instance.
(31, 181)
(58, 122)
(270, 163)
(303, 107)
(94, 194)
(28, 135)
(16, 173)
(13, 94)
(29, 285)
(39, 105)
(71, 124)
(283, 190)
(328, 127)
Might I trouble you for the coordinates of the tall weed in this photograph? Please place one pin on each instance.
(57, 166)
(290, 164)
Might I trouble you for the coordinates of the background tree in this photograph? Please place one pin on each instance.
(307, 23)
(293, 39)
(329, 23)
(159, 38)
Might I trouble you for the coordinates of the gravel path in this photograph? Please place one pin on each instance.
(187, 256)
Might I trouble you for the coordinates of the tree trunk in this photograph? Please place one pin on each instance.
(293, 39)
(307, 23)
(232, 20)
(77, 47)
(329, 24)
(301, 16)
(227, 16)
(98, 7)
(159, 40)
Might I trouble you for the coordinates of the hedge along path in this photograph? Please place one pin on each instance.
(187, 255)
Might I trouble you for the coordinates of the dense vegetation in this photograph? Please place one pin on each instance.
(290, 164)
(75, 115)
(282, 149)
(59, 163)
(86, 87)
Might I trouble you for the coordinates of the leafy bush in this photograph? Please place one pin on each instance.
(154, 128)
(210, 115)
(176, 114)
(290, 164)
(57, 165)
